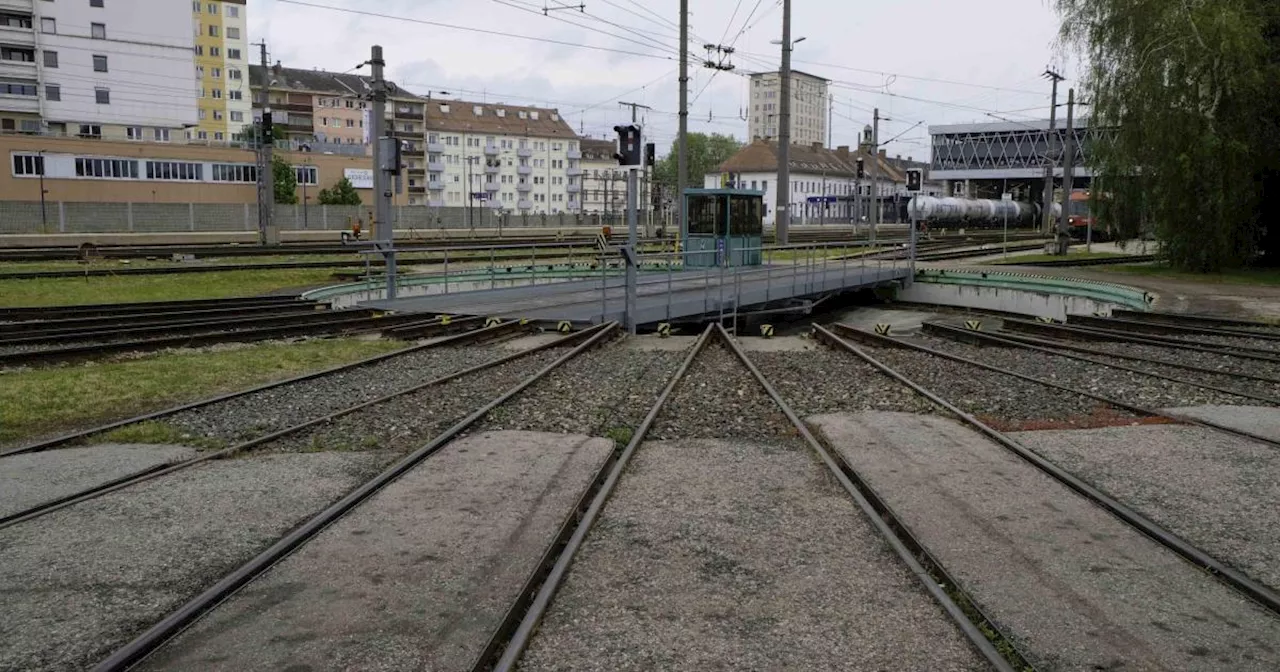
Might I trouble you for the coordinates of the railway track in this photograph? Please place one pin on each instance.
(126, 311)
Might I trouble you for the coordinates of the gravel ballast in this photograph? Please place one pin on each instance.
(261, 413)
(1224, 380)
(416, 578)
(1219, 492)
(1212, 360)
(82, 581)
(828, 381)
(1125, 386)
(737, 554)
(405, 422)
(1071, 585)
(1004, 401)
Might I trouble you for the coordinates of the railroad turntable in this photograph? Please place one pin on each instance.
(490, 497)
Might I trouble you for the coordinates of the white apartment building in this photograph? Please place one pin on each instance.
(522, 160)
(809, 106)
(604, 183)
(97, 68)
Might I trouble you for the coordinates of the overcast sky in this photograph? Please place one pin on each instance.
(989, 55)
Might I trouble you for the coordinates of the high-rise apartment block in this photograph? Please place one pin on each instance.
(809, 105)
(97, 68)
(222, 54)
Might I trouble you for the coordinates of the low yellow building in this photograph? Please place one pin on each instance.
(103, 171)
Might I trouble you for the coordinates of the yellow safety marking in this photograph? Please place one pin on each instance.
(973, 325)
(1047, 320)
(492, 322)
(766, 330)
(664, 329)
(1099, 313)
(882, 329)
(524, 321)
(564, 326)
(446, 319)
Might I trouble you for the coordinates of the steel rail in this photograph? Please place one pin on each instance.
(1238, 580)
(513, 634)
(289, 318)
(64, 439)
(982, 338)
(176, 621)
(1069, 345)
(876, 339)
(34, 327)
(28, 313)
(95, 491)
(897, 534)
(1091, 334)
(1195, 320)
(338, 325)
(1146, 327)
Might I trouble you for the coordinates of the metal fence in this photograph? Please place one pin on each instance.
(31, 217)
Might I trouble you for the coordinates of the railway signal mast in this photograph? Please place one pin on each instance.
(630, 155)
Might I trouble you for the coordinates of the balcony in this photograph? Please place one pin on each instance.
(492, 186)
(18, 69)
(435, 147)
(574, 154)
(492, 169)
(573, 172)
(574, 188)
(524, 170)
(491, 150)
(418, 189)
(13, 35)
(524, 152)
(435, 185)
(408, 114)
(417, 170)
(435, 203)
(293, 107)
(524, 186)
(435, 166)
(525, 205)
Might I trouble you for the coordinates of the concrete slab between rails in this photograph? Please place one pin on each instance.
(1072, 585)
(1261, 421)
(899, 321)
(417, 577)
(35, 478)
(80, 582)
(529, 342)
(753, 343)
(653, 342)
(1216, 490)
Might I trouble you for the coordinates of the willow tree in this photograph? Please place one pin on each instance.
(1187, 89)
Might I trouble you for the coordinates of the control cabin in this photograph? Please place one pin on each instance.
(723, 227)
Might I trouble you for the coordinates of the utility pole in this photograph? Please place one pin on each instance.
(1068, 175)
(682, 162)
(386, 158)
(1047, 222)
(266, 155)
(633, 196)
(875, 174)
(831, 119)
(782, 217)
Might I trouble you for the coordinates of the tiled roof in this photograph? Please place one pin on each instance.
(761, 156)
(317, 81)
(497, 118)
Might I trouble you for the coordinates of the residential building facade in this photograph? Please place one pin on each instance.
(824, 183)
(508, 158)
(604, 184)
(97, 69)
(809, 107)
(221, 56)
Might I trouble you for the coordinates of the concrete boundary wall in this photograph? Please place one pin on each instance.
(1025, 294)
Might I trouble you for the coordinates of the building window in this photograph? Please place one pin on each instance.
(215, 51)
(98, 31)
(217, 93)
(199, 50)
(233, 73)
(233, 33)
(48, 25)
(50, 59)
(202, 135)
(102, 96)
(160, 134)
(307, 175)
(17, 54)
(95, 3)
(116, 169)
(133, 133)
(18, 87)
(215, 73)
(234, 172)
(213, 8)
(233, 94)
(237, 116)
(217, 115)
(175, 170)
(52, 92)
(233, 54)
(213, 31)
(199, 72)
(28, 164)
(233, 11)
(90, 131)
(99, 63)
(201, 114)
(16, 20)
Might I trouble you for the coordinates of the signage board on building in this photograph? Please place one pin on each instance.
(360, 178)
(821, 199)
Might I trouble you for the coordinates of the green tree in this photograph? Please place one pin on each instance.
(1188, 89)
(250, 132)
(341, 193)
(286, 181)
(705, 152)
